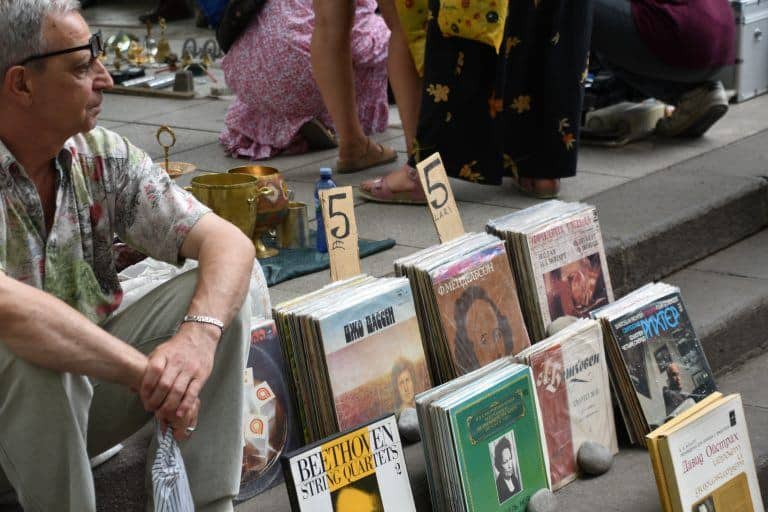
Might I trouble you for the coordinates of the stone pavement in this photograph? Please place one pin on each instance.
(669, 209)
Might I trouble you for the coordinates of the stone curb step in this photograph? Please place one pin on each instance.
(661, 223)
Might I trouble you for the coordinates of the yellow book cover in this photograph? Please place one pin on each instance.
(708, 461)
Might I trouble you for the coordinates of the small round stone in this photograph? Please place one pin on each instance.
(543, 500)
(559, 324)
(594, 458)
(408, 425)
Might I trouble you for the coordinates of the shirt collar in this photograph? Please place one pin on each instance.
(63, 158)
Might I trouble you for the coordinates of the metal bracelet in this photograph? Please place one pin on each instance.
(204, 320)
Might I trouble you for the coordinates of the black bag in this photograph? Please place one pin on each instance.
(237, 15)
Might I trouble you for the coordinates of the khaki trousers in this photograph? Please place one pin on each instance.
(51, 423)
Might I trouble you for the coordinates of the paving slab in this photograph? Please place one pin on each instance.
(208, 116)
(412, 225)
(748, 258)
(124, 108)
(144, 136)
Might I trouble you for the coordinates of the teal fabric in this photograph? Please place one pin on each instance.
(292, 263)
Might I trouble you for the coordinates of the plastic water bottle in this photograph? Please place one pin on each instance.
(324, 182)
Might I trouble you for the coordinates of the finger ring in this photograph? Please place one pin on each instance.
(191, 429)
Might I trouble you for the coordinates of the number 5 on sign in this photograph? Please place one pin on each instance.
(440, 198)
(341, 232)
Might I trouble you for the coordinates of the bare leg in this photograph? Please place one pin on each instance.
(331, 58)
(405, 81)
(406, 84)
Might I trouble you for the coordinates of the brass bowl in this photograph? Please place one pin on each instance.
(177, 169)
(231, 197)
(272, 203)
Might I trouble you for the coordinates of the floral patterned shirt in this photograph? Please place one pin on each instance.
(105, 187)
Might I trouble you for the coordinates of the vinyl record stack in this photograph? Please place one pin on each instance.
(355, 352)
(467, 303)
(483, 440)
(558, 257)
(571, 375)
(658, 366)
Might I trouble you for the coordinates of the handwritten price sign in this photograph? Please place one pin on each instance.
(434, 180)
(341, 232)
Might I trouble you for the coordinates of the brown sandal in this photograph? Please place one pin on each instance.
(375, 154)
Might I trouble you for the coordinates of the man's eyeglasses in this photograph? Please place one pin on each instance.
(95, 44)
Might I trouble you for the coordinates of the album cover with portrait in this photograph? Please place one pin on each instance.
(360, 470)
(271, 426)
(704, 461)
(374, 355)
(479, 310)
(660, 366)
(559, 261)
(486, 435)
(466, 302)
(571, 375)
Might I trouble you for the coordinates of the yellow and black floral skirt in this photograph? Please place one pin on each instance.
(503, 84)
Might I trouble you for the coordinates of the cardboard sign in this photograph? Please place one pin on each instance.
(442, 205)
(341, 232)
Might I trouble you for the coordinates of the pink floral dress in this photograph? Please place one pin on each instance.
(269, 70)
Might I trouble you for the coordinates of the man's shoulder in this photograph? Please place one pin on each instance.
(99, 142)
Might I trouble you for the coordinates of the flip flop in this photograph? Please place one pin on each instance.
(375, 154)
(552, 194)
(381, 193)
(317, 135)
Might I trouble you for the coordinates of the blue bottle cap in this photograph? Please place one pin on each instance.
(326, 172)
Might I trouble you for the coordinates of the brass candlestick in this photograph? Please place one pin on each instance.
(163, 46)
(165, 129)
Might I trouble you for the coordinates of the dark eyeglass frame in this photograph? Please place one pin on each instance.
(95, 45)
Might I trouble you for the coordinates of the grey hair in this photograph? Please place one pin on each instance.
(21, 27)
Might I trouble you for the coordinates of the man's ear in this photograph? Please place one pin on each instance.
(17, 85)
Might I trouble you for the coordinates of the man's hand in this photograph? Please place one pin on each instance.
(177, 371)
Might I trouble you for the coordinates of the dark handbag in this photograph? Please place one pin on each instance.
(237, 15)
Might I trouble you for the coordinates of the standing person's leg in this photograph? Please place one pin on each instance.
(406, 85)
(332, 68)
(213, 454)
(43, 420)
(403, 77)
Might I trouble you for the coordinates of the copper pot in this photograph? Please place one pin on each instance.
(272, 204)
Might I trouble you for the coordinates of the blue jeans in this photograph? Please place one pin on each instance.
(620, 48)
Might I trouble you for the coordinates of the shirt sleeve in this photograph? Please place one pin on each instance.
(152, 214)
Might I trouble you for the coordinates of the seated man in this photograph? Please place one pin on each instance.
(670, 50)
(74, 379)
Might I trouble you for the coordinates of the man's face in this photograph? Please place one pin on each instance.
(674, 377)
(67, 89)
(405, 386)
(507, 463)
(490, 343)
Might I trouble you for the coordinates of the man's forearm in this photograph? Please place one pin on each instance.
(44, 331)
(226, 258)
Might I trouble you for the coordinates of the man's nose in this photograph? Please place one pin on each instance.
(103, 79)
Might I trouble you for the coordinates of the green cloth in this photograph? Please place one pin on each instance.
(291, 263)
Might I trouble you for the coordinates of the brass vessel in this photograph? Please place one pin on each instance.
(272, 204)
(233, 197)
